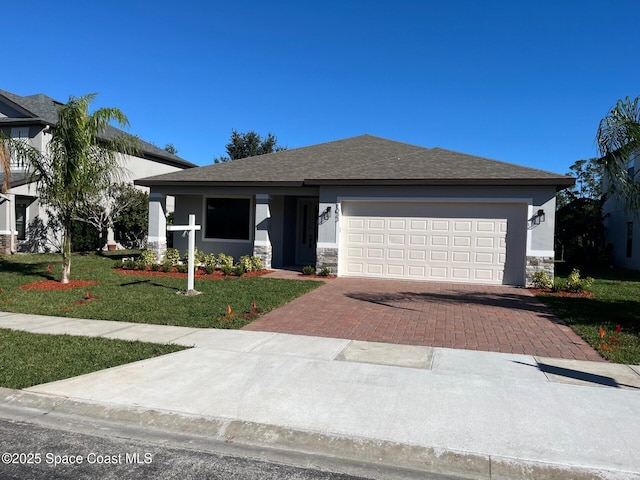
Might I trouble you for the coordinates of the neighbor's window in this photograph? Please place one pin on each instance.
(228, 218)
(629, 239)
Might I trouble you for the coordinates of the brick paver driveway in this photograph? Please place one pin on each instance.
(474, 317)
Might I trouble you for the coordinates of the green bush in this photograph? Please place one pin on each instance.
(324, 272)
(182, 268)
(541, 279)
(225, 260)
(128, 263)
(245, 263)
(558, 285)
(172, 255)
(226, 269)
(198, 256)
(575, 284)
(308, 270)
(155, 267)
(256, 264)
(167, 266)
(210, 261)
(147, 257)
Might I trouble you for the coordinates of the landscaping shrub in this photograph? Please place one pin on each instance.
(541, 279)
(324, 272)
(256, 264)
(182, 268)
(308, 270)
(226, 269)
(167, 266)
(147, 257)
(225, 260)
(172, 255)
(245, 263)
(210, 261)
(575, 284)
(238, 270)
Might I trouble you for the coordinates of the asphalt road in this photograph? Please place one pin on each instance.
(31, 451)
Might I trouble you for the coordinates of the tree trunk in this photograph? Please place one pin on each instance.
(66, 253)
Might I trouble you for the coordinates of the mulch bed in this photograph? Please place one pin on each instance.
(56, 285)
(562, 293)
(199, 274)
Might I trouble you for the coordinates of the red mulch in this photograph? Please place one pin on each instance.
(56, 285)
(562, 293)
(319, 277)
(199, 274)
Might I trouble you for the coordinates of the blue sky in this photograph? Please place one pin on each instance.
(523, 82)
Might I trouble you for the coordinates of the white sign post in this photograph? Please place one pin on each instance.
(191, 230)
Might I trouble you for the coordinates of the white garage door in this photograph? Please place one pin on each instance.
(453, 242)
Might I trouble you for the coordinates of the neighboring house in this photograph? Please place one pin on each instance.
(31, 118)
(369, 207)
(622, 226)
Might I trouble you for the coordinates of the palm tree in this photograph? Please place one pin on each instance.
(618, 138)
(80, 161)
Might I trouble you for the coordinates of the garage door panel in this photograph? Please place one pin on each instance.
(459, 241)
(375, 224)
(395, 270)
(461, 257)
(418, 225)
(462, 226)
(438, 256)
(431, 241)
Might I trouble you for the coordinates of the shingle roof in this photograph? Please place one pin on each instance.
(43, 109)
(362, 160)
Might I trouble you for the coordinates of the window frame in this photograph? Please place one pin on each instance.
(250, 220)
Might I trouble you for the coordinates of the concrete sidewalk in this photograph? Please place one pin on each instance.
(466, 413)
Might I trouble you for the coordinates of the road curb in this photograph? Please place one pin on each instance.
(28, 406)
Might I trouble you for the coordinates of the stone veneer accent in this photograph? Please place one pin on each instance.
(264, 252)
(536, 264)
(159, 248)
(327, 257)
(5, 244)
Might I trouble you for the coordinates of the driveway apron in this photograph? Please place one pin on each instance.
(474, 317)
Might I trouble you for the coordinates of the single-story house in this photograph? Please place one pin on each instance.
(23, 219)
(622, 225)
(369, 207)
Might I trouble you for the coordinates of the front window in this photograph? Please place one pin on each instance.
(228, 218)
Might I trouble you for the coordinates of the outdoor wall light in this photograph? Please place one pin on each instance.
(539, 217)
(326, 215)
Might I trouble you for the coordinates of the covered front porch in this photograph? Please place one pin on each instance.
(280, 226)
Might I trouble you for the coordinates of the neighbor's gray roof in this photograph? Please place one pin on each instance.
(41, 109)
(362, 160)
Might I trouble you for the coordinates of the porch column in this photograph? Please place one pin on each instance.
(261, 241)
(157, 236)
(7, 223)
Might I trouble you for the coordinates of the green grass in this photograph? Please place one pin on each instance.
(28, 359)
(616, 301)
(138, 298)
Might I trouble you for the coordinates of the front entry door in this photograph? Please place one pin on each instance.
(306, 231)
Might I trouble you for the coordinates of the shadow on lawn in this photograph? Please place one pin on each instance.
(38, 269)
(512, 301)
(148, 282)
(594, 312)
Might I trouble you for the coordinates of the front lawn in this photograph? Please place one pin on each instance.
(616, 301)
(28, 359)
(137, 298)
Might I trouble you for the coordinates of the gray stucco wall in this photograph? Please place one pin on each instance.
(187, 204)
